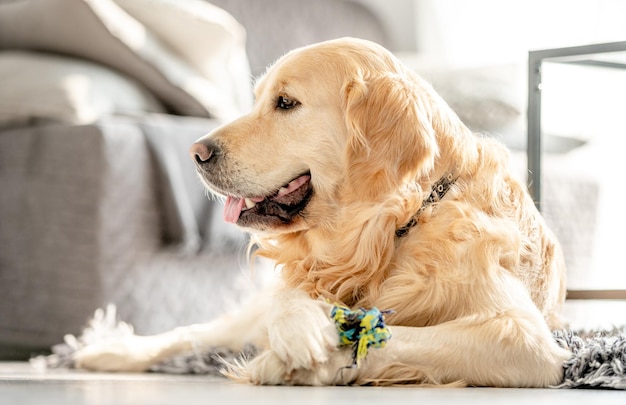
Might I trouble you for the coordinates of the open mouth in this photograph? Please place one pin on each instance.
(276, 209)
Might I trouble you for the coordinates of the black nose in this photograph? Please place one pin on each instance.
(203, 152)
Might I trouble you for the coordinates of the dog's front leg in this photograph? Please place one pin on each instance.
(512, 349)
(139, 353)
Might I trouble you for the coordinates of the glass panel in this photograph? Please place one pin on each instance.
(583, 185)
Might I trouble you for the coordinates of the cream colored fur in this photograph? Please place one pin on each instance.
(476, 285)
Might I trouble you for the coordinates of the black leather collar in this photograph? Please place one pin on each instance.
(438, 191)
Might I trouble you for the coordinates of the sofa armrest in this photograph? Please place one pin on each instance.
(74, 199)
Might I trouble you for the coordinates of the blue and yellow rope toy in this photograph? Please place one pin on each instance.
(360, 329)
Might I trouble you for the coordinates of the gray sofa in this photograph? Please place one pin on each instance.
(98, 200)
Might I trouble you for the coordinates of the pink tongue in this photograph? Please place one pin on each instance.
(234, 205)
(232, 209)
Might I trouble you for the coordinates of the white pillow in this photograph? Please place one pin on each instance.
(39, 86)
(103, 32)
(208, 38)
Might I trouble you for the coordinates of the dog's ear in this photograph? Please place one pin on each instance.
(391, 135)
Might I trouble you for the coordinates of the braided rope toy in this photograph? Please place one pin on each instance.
(360, 329)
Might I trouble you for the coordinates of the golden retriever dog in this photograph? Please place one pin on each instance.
(366, 190)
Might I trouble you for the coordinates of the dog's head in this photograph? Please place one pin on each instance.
(333, 123)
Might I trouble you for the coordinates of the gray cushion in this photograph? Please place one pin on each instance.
(275, 27)
(45, 87)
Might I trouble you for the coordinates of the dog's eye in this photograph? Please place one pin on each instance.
(285, 103)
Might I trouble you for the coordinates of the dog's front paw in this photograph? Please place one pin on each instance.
(301, 333)
(130, 353)
(269, 369)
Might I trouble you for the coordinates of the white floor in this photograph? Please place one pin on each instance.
(21, 384)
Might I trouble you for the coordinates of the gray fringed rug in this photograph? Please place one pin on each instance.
(598, 357)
